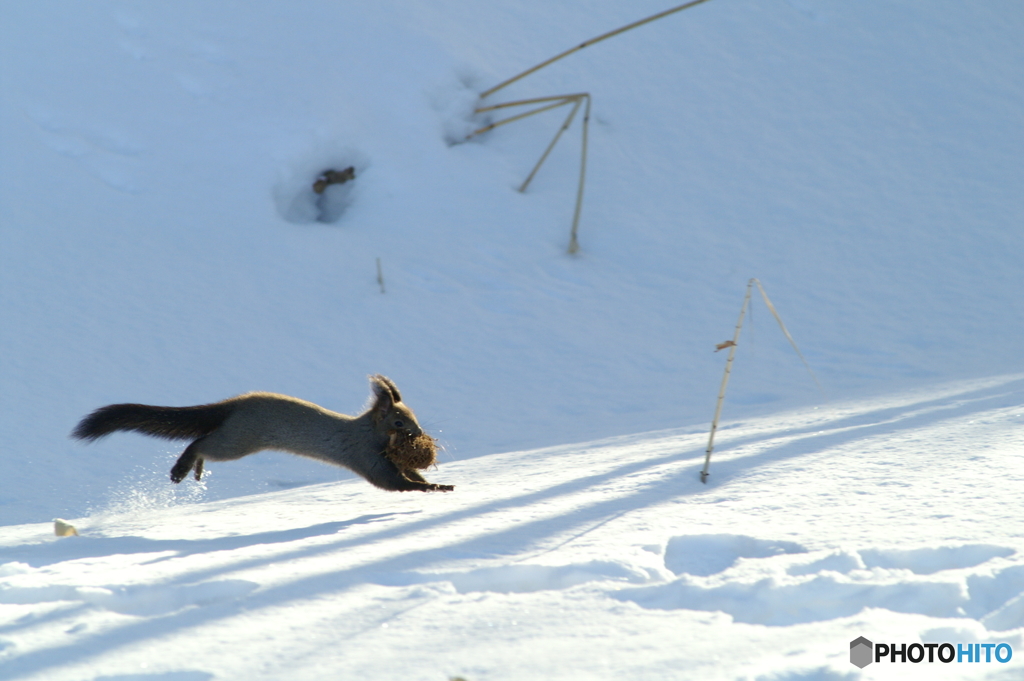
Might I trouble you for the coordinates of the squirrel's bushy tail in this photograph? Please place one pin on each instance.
(172, 423)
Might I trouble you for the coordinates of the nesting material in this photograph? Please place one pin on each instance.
(408, 451)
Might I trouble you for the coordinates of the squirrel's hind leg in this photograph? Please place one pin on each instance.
(188, 460)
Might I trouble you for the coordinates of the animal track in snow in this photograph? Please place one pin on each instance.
(928, 561)
(708, 554)
(775, 583)
(107, 154)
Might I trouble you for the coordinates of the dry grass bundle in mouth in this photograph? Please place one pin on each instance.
(409, 451)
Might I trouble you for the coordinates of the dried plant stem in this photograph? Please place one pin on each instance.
(725, 384)
(573, 242)
(550, 103)
(561, 100)
(732, 345)
(554, 140)
(587, 43)
(792, 342)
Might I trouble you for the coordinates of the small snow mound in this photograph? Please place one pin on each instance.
(929, 560)
(15, 568)
(993, 592)
(837, 561)
(709, 554)
(781, 591)
(456, 104)
(779, 601)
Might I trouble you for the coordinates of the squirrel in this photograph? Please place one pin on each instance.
(256, 421)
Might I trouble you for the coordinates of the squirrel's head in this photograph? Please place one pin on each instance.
(388, 413)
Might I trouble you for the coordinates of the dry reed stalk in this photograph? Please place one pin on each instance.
(732, 345)
(561, 100)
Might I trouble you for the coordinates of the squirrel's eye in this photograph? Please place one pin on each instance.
(399, 423)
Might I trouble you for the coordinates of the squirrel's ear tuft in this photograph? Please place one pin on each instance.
(385, 396)
(382, 385)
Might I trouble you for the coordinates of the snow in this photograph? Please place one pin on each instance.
(159, 243)
(603, 560)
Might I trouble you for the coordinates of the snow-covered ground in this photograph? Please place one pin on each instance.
(159, 243)
(894, 519)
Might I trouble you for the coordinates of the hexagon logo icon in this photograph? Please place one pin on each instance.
(861, 651)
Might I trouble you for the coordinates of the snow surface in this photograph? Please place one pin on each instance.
(596, 561)
(159, 243)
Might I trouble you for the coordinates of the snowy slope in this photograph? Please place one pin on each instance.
(896, 520)
(862, 161)
(159, 244)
